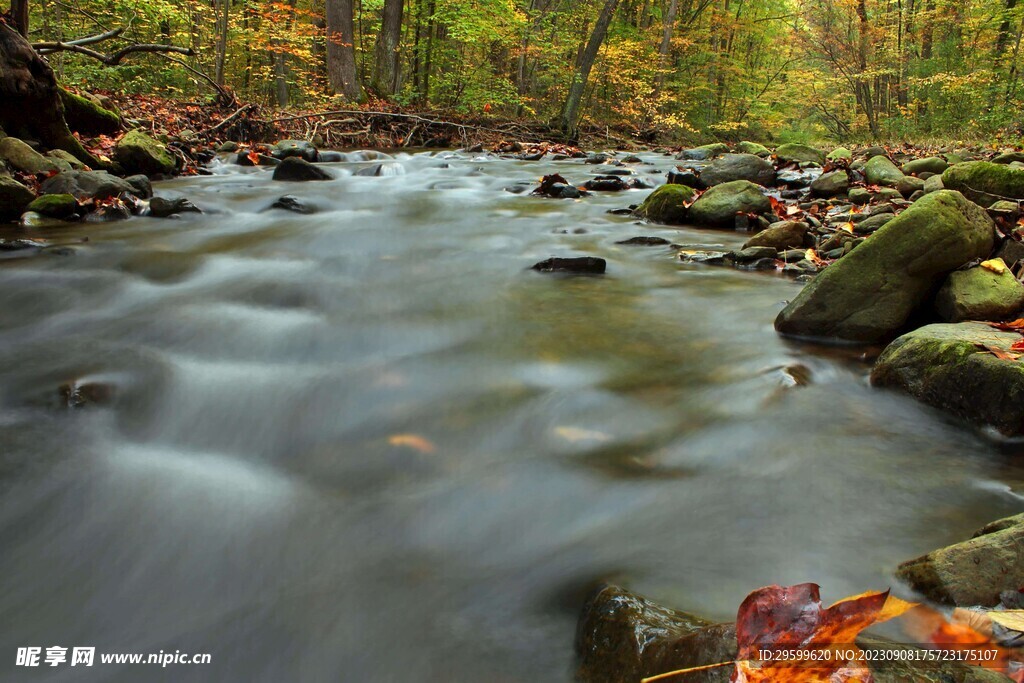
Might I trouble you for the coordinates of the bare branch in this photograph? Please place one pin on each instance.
(115, 58)
(45, 48)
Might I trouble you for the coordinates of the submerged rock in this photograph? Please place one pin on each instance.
(159, 207)
(718, 206)
(580, 264)
(292, 203)
(729, 167)
(869, 294)
(792, 152)
(644, 241)
(949, 366)
(139, 153)
(667, 204)
(979, 294)
(974, 572)
(984, 182)
(295, 169)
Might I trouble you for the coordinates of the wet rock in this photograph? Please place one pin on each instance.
(711, 258)
(973, 572)
(87, 185)
(246, 159)
(286, 149)
(21, 157)
(14, 198)
(796, 153)
(718, 206)
(141, 187)
(794, 179)
(704, 152)
(294, 204)
(582, 264)
(729, 167)
(77, 394)
(869, 295)
(830, 184)
(54, 205)
(109, 213)
(632, 159)
(683, 177)
(751, 254)
(881, 171)
(606, 183)
(781, 236)
(754, 148)
(979, 294)
(159, 207)
(984, 182)
(908, 185)
(667, 204)
(928, 165)
(644, 241)
(872, 223)
(296, 169)
(227, 147)
(596, 158)
(139, 153)
(859, 196)
(329, 157)
(1009, 158)
(388, 168)
(933, 184)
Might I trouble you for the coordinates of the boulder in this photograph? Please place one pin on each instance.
(141, 187)
(873, 151)
(780, 236)
(1009, 158)
(54, 205)
(908, 185)
(754, 148)
(927, 165)
(933, 184)
(984, 182)
(792, 152)
(869, 295)
(718, 206)
(161, 207)
(859, 196)
(21, 157)
(948, 366)
(87, 185)
(14, 198)
(974, 572)
(880, 171)
(704, 152)
(979, 294)
(294, 148)
(729, 167)
(139, 153)
(61, 155)
(295, 169)
(87, 116)
(667, 204)
(830, 184)
(840, 153)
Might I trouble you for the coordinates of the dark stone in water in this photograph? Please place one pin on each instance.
(582, 264)
(644, 241)
(295, 169)
(78, 395)
(292, 203)
(688, 178)
(608, 183)
(621, 212)
(162, 208)
(330, 157)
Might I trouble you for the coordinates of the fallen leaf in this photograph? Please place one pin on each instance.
(996, 265)
(999, 353)
(1012, 620)
(413, 441)
(574, 434)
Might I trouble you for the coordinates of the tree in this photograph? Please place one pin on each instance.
(386, 75)
(19, 12)
(570, 115)
(341, 51)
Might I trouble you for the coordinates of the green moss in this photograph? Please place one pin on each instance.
(667, 204)
(87, 117)
(880, 171)
(139, 153)
(840, 153)
(800, 153)
(984, 182)
(757, 149)
(54, 205)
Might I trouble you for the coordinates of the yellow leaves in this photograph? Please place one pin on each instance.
(413, 441)
(996, 265)
(577, 434)
(1012, 620)
(847, 227)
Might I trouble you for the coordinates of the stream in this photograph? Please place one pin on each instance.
(370, 445)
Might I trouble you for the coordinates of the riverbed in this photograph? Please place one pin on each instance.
(369, 444)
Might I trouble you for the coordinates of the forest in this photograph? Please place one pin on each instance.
(656, 70)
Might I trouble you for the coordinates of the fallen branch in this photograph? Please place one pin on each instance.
(112, 59)
(46, 48)
(410, 117)
(229, 120)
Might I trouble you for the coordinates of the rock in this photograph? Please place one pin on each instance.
(754, 148)
(683, 177)
(606, 183)
(294, 148)
(632, 159)
(87, 116)
(245, 159)
(780, 236)
(160, 207)
(729, 167)
(704, 152)
(718, 206)
(61, 155)
(795, 179)
(880, 171)
(292, 203)
(869, 295)
(872, 223)
(974, 572)
(1009, 158)
(644, 241)
(87, 185)
(1005, 210)
(227, 147)
(54, 205)
(933, 184)
(984, 182)
(667, 204)
(830, 184)
(869, 152)
(596, 158)
(21, 157)
(1011, 252)
(979, 294)
(793, 152)
(908, 185)
(753, 253)
(141, 187)
(840, 153)
(928, 165)
(389, 168)
(139, 153)
(14, 198)
(295, 169)
(330, 157)
(859, 196)
(581, 264)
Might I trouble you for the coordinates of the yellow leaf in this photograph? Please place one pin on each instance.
(413, 441)
(848, 227)
(996, 265)
(574, 434)
(1010, 619)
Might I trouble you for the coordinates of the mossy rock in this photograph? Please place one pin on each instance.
(139, 153)
(87, 117)
(830, 184)
(704, 152)
(879, 170)
(719, 206)
(755, 148)
(870, 294)
(979, 294)
(840, 153)
(54, 205)
(1009, 158)
(667, 204)
(59, 155)
(927, 165)
(984, 182)
(14, 198)
(781, 236)
(793, 152)
(21, 157)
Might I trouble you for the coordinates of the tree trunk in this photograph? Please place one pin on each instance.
(341, 49)
(570, 115)
(222, 42)
(19, 12)
(666, 43)
(386, 74)
(32, 105)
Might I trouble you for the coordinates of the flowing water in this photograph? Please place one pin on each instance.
(370, 445)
